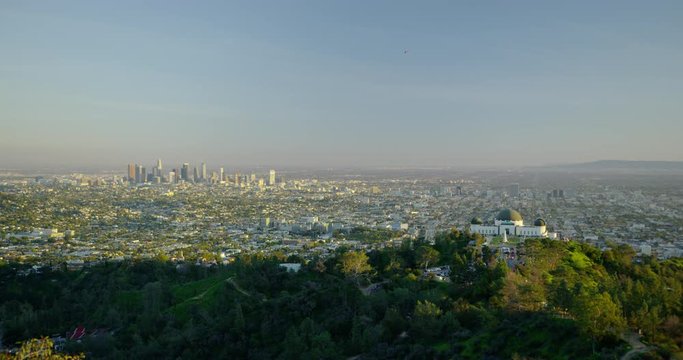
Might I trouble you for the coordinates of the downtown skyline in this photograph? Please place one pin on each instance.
(197, 173)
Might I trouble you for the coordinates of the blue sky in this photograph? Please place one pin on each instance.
(329, 83)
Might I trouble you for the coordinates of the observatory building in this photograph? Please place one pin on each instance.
(511, 223)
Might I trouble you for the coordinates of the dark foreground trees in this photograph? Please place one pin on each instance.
(567, 300)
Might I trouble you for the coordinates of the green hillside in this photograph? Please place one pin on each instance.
(558, 301)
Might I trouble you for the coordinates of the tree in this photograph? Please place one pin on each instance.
(357, 339)
(648, 319)
(354, 264)
(598, 315)
(322, 347)
(153, 295)
(294, 345)
(39, 349)
(426, 255)
(238, 322)
(161, 257)
(426, 320)
(393, 323)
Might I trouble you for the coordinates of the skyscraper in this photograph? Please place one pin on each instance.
(271, 180)
(204, 178)
(195, 178)
(131, 172)
(140, 175)
(220, 178)
(185, 172)
(159, 167)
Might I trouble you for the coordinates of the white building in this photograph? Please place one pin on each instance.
(271, 178)
(510, 222)
(646, 250)
(293, 267)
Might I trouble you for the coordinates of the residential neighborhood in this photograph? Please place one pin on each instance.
(74, 220)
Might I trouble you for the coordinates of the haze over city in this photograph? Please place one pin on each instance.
(309, 83)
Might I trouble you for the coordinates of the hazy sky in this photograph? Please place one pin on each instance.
(340, 83)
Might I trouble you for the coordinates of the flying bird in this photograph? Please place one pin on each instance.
(405, 51)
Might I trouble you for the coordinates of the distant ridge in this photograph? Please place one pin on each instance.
(624, 166)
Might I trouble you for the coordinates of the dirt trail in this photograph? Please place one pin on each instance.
(637, 346)
(232, 282)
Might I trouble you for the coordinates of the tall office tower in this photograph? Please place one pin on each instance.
(143, 174)
(131, 172)
(261, 183)
(220, 178)
(253, 178)
(171, 177)
(237, 179)
(204, 178)
(159, 166)
(196, 174)
(138, 173)
(185, 172)
(271, 180)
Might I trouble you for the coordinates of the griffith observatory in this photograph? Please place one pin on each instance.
(510, 223)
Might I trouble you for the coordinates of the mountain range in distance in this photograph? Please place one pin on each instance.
(622, 167)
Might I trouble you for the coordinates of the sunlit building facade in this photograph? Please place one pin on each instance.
(511, 223)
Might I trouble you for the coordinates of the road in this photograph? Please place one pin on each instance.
(637, 347)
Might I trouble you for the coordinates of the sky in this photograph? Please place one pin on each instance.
(339, 83)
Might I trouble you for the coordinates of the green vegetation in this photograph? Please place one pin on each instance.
(367, 235)
(39, 349)
(565, 301)
(354, 264)
(512, 240)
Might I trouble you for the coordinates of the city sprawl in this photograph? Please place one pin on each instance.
(78, 219)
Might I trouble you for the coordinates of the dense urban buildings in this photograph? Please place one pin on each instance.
(91, 218)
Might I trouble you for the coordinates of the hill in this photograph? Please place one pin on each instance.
(624, 167)
(559, 300)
